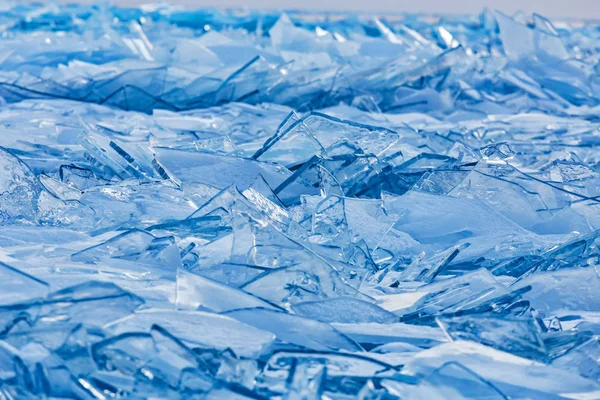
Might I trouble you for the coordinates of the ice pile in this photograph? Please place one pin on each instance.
(249, 205)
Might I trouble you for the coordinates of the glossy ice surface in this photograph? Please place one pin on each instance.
(197, 204)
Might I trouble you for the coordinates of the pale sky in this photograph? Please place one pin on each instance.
(588, 9)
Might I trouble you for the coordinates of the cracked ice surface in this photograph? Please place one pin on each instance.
(197, 204)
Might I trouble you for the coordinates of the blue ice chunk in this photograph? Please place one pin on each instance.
(125, 245)
(19, 189)
(19, 286)
(196, 292)
(563, 292)
(325, 367)
(305, 382)
(231, 274)
(451, 379)
(7, 357)
(209, 168)
(522, 337)
(424, 217)
(296, 330)
(344, 310)
(61, 313)
(426, 270)
(157, 360)
(316, 133)
(199, 329)
(582, 359)
(474, 289)
(308, 277)
(525, 376)
(370, 334)
(94, 303)
(521, 41)
(338, 364)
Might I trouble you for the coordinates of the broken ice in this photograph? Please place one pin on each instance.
(198, 204)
